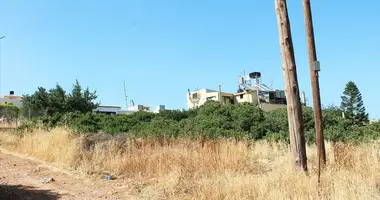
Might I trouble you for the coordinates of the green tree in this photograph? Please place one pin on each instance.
(352, 104)
(79, 101)
(36, 104)
(55, 102)
(332, 116)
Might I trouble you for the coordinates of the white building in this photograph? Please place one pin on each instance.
(135, 108)
(113, 110)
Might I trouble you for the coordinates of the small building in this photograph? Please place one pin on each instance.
(250, 90)
(11, 99)
(136, 108)
(113, 110)
(139, 108)
(109, 110)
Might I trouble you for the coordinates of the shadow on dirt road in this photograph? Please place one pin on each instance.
(20, 192)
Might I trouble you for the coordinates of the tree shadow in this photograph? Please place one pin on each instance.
(20, 192)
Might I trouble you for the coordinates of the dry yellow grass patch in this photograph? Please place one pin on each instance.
(182, 169)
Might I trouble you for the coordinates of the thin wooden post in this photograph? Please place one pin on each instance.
(314, 83)
(290, 76)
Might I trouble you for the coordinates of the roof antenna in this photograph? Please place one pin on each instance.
(125, 96)
(271, 83)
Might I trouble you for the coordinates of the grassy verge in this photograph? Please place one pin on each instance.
(226, 169)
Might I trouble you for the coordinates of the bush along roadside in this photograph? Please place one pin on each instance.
(211, 121)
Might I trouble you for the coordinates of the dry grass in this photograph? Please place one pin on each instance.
(182, 169)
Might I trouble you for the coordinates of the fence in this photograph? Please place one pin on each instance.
(10, 116)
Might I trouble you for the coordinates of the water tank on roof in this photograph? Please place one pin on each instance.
(255, 75)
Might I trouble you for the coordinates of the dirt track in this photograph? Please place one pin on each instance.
(21, 178)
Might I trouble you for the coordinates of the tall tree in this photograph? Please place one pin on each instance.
(36, 104)
(57, 100)
(81, 101)
(352, 104)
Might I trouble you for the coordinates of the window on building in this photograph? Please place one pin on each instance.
(241, 96)
(195, 96)
(210, 98)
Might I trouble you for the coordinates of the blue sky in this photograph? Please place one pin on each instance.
(162, 48)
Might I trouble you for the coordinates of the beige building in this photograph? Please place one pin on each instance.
(250, 90)
(199, 97)
(246, 96)
(11, 99)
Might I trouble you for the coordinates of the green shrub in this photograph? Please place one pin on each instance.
(212, 121)
(176, 115)
(118, 124)
(159, 128)
(85, 123)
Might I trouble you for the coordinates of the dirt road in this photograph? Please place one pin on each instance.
(22, 178)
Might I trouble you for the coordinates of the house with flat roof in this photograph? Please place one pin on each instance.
(109, 110)
(11, 99)
(113, 110)
(250, 90)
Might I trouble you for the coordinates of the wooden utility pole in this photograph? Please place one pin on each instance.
(293, 145)
(291, 81)
(314, 68)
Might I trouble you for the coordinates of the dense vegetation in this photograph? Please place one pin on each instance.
(56, 101)
(212, 120)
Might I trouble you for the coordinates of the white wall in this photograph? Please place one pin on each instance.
(16, 102)
(203, 95)
(107, 109)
